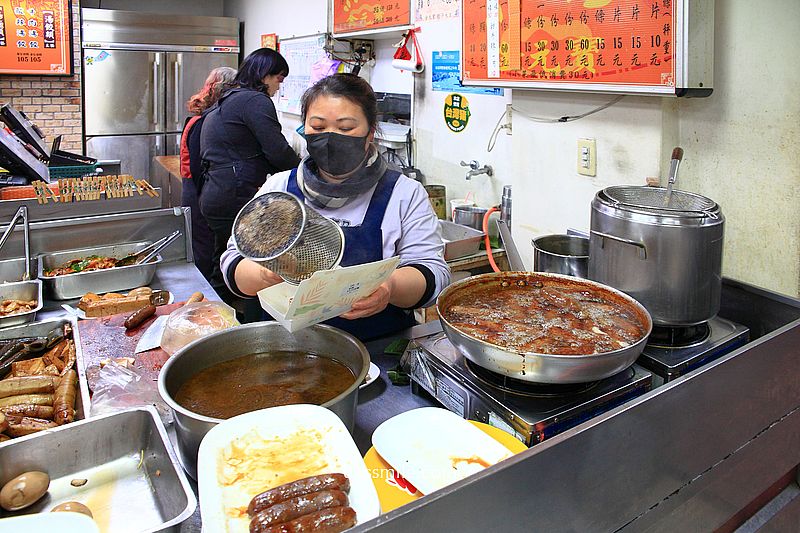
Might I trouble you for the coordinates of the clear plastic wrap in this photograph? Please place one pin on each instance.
(196, 320)
(118, 387)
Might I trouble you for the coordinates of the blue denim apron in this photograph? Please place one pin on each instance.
(364, 244)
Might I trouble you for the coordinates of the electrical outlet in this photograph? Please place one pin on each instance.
(509, 122)
(367, 46)
(587, 157)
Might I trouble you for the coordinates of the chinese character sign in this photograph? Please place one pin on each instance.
(625, 42)
(269, 40)
(35, 37)
(357, 15)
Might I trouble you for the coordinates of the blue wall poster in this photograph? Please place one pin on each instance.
(446, 75)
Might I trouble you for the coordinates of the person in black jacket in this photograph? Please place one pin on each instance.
(241, 144)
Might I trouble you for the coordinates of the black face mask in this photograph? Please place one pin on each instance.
(336, 154)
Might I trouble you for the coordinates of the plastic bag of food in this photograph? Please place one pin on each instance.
(118, 387)
(196, 320)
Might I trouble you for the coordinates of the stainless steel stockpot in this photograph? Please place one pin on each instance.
(663, 250)
(561, 254)
(259, 337)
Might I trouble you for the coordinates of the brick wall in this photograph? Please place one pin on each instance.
(52, 103)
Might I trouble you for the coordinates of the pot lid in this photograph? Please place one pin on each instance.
(656, 200)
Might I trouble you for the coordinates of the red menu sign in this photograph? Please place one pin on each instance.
(35, 37)
(358, 15)
(610, 42)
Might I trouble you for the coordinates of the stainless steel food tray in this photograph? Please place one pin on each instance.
(134, 482)
(12, 270)
(41, 329)
(459, 240)
(21, 290)
(76, 285)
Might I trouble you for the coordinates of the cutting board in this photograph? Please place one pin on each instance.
(106, 338)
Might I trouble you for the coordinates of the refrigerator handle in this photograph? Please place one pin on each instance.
(155, 89)
(177, 104)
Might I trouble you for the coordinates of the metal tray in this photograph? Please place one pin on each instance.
(135, 483)
(12, 270)
(42, 328)
(459, 240)
(76, 285)
(21, 290)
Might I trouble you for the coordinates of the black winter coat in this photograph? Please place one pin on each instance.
(240, 143)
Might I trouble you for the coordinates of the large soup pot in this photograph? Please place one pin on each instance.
(665, 252)
(262, 338)
(502, 358)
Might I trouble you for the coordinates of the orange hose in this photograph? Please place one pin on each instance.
(486, 237)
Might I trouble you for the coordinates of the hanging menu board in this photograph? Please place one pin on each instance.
(35, 37)
(587, 45)
(361, 15)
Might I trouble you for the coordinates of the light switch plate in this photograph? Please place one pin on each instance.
(587, 157)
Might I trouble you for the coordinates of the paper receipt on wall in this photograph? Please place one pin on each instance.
(326, 294)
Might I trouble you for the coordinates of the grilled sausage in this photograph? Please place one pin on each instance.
(297, 488)
(296, 507)
(26, 385)
(139, 316)
(333, 520)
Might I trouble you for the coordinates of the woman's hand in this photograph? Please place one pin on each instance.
(372, 304)
(252, 277)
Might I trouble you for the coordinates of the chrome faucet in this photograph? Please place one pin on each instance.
(22, 213)
(475, 169)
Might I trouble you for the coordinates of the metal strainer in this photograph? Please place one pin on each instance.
(277, 231)
(653, 199)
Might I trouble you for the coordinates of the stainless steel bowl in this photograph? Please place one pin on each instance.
(259, 337)
(538, 367)
(561, 254)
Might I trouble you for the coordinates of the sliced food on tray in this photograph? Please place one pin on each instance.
(95, 305)
(39, 384)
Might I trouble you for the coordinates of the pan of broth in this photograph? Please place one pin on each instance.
(257, 366)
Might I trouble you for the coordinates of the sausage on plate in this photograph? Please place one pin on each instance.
(298, 488)
(296, 507)
(333, 520)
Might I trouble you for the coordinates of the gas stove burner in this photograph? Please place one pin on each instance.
(679, 337)
(526, 388)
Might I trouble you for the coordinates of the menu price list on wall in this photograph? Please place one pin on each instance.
(571, 42)
(35, 37)
(360, 15)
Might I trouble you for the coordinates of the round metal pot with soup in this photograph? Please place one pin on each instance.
(256, 366)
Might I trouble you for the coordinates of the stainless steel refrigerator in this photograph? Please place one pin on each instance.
(138, 71)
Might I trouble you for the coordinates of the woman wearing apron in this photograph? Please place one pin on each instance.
(381, 212)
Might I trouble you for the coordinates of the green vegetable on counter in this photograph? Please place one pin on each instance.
(397, 347)
(398, 377)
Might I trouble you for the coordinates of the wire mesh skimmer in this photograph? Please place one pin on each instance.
(277, 231)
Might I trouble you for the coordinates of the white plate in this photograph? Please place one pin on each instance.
(78, 312)
(281, 444)
(372, 374)
(432, 447)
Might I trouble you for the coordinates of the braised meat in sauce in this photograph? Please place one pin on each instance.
(82, 264)
(537, 314)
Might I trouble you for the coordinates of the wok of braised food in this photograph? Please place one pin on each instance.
(545, 315)
(16, 307)
(83, 264)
